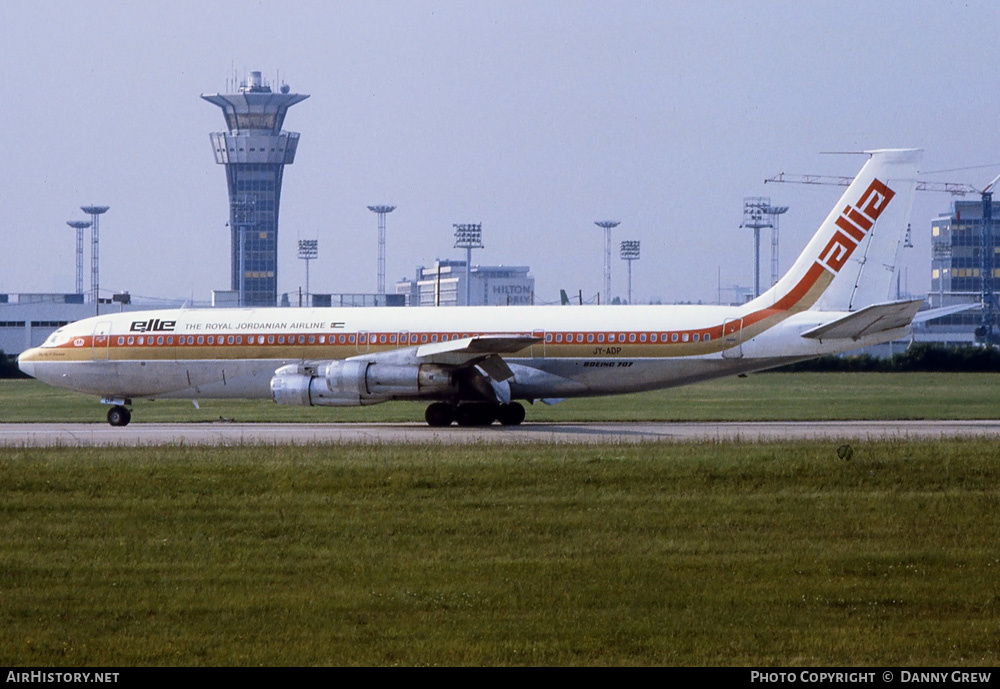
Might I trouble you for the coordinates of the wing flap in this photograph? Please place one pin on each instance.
(868, 321)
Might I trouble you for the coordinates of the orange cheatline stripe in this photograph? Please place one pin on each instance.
(792, 302)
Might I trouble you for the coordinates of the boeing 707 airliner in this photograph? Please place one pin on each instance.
(473, 364)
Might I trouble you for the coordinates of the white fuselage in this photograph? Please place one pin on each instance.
(234, 353)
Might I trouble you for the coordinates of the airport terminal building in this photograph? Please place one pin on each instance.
(957, 267)
(445, 284)
(26, 320)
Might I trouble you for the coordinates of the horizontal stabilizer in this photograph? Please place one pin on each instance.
(931, 314)
(868, 321)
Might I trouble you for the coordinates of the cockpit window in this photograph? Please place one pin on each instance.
(57, 338)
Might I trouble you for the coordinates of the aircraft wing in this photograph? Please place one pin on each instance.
(868, 321)
(477, 359)
(480, 353)
(469, 349)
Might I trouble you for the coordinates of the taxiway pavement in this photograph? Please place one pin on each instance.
(222, 434)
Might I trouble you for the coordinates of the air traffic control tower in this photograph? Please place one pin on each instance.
(255, 151)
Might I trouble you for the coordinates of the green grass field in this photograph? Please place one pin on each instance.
(761, 554)
(785, 396)
(693, 554)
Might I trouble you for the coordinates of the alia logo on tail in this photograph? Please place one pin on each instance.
(855, 221)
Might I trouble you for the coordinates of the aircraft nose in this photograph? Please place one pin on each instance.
(25, 363)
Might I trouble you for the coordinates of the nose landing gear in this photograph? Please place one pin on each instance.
(119, 415)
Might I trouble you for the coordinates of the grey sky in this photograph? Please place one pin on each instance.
(533, 118)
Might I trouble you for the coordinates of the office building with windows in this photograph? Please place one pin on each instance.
(443, 284)
(957, 265)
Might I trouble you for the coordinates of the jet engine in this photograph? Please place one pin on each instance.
(352, 383)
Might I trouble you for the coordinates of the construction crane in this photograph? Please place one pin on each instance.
(988, 299)
(953, 188)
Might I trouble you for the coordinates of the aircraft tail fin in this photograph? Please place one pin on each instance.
(850, 262)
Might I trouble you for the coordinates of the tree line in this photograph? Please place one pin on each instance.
(922, 357)
(8, 366)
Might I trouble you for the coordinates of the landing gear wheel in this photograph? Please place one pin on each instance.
(476, 414)
(119, 416)
(439, 414)
(511, 414)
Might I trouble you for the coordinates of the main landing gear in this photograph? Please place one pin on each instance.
(119, 415)
(440, 414)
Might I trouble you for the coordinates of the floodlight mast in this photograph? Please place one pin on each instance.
(987, 297)
(243, 212)
(630, 252)
(774, 212)
(381, 211)
(308, 250)
(95, 213)
(607, 225)
(79, 226)
(753, 218)
(467, 236)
